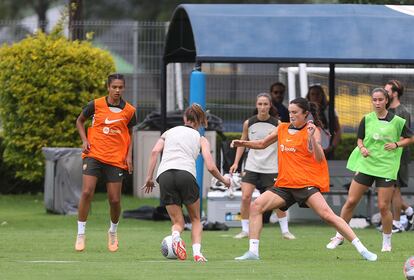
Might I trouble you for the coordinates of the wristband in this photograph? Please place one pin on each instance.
(396, 145)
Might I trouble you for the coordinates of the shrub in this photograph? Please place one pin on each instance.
(346, 146)
(46, 79)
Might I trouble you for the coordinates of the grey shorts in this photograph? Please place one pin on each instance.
(368, 180)
(177, 187)
(262, 181)
(292, 196)
(98, 169)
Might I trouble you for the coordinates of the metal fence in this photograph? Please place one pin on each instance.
(137, 48)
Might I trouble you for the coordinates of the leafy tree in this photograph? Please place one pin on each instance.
(45, 80)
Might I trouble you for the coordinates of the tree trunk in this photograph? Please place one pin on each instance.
(75, 16)
(41, 7)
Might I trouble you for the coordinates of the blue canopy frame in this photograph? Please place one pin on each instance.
(267, 33)
(290, 33)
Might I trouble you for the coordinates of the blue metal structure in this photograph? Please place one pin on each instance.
(198, 95)
(267, 33)
(311, 33)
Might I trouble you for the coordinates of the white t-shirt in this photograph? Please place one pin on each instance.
(181, 149)
(262, 160)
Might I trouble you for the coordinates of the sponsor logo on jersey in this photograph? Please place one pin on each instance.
(107, 130)
(108, 121)
(379, 137)
(284, 148)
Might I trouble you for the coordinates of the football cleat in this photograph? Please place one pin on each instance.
(80, 242)
(179, 249)
(369, 256)
(335, 242)
(112, 241)
(199, 258)
(248, 256)
(241, 235)
(386, 248)
(287, 235)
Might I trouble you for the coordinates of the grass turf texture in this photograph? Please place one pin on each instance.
(37, 245)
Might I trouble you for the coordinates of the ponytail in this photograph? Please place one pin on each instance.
(310, 107)
(313, 110)
(196, 114)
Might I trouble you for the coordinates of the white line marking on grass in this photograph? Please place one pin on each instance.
(163, 261)
(225, 235)
(185, 262)
(46, 261)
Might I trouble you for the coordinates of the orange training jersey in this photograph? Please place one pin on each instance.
(297, 166)
(109, 134)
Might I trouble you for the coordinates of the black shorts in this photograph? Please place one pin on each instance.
(368, 180)
(262, 181)
(402, 177)
(96, 168)
(177, 187)
(291, 196)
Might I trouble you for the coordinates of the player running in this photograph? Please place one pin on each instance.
(303, 175)
(180, 147)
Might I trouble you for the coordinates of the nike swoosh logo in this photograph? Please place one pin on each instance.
(107, 121)
(387, 180)
(288, 140)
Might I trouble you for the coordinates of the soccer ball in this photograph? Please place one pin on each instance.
(409, 268)
(166, 248)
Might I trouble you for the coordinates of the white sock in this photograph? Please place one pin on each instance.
(245, 225)
(254, 246)
(113, 227)
(358, 245)
(386, 239)
(283, 223)
(409, 211)
(81, 227)
(196, 249)
(175, 235)
(338, 235)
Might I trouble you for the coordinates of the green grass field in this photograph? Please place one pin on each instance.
(37, 245)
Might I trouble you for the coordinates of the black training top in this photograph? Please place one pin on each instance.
(406, 132)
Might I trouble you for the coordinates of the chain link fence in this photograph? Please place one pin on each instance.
(137, 49)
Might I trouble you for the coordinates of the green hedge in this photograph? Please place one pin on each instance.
(45, 80)
(346, 146)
